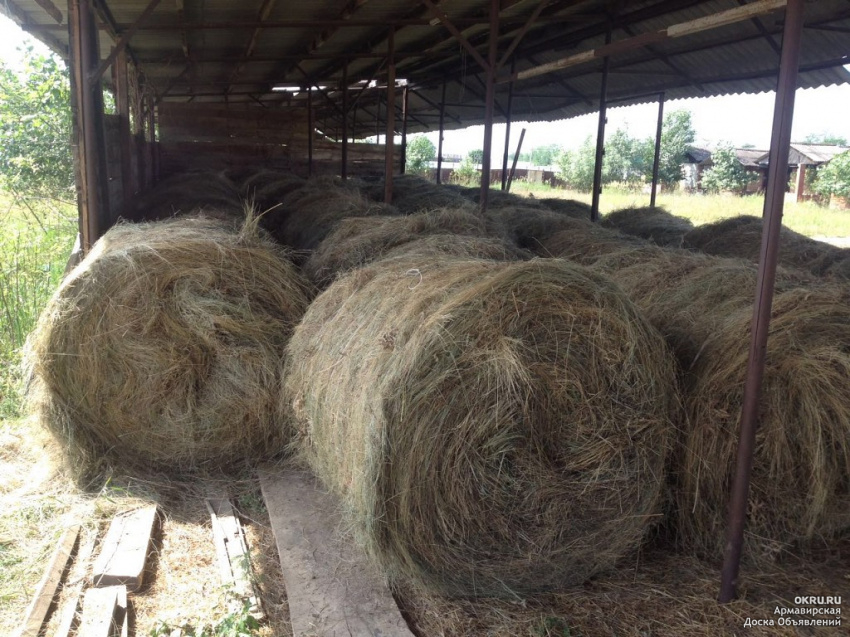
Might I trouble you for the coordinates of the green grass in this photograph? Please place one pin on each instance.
(35, 241)
(806, 218)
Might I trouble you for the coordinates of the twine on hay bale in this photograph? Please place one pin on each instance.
(491, 427)
(651, 223)
(702, 305)
(741, 237)
(357, 241)
(164, 347)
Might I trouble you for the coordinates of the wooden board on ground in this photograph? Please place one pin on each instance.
(69, 610)
(332, 588)
(125, 549)
(234, 560)
(46, 591)
(105, 612)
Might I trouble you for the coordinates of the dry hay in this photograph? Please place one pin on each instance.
(413, 194)
(164, 347)
(356, 241)
(491, 427)
(309, 213)
(741, 237)
(568, 207)
(188, 193)
(703, 307)
(651, 223)
(549, 233)
(660, 595)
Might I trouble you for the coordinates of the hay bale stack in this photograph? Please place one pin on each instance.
(741, 237)
(492, 427)
(413, 194)
(357, 241)
(189, 193)
(703, 307)
(651, 223)
(164, 347)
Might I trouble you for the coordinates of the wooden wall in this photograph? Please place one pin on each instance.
(215, 137)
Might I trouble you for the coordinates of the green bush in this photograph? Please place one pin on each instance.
(726, 173)
(834, 178)
(420, 151)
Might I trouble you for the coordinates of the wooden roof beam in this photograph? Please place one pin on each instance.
(444, 20)
(19, 17)
(122, 43)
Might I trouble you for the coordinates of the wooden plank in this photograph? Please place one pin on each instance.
(46, 591)
(125, 549)
(234, 560)
(104, 612)
(69, 612)
(332, 589)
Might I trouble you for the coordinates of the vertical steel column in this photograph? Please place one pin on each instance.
(600, 136)
(344, 168)
(389, 142)
(310, 131)
(508, 127)
(657, 158)
(489, 102)
(440, 140)
(780, 142)
(405, 96)
(378, 121)
(122, 107)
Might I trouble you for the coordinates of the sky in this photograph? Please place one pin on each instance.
(736, 119)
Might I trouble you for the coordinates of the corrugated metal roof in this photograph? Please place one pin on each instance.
(213, 50)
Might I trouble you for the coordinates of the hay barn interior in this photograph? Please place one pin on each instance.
(282, 101)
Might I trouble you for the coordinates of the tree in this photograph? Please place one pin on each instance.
(545, 155)
(624, 159)
(420, 151)
(35, 128)
(825, 138)
(476, 157)
(575, 167)
(834, 178)
(677, 133)
(726, 172)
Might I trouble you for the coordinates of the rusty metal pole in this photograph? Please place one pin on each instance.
(657, 159)
(405, 96)
(310, 131)
(489, 102)
(344, 167)
(600, 136)
(783, 115)
(389, 142)
(440, 139)
(508, 127)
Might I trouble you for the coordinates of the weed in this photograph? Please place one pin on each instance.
(554, 627)
(237, 623)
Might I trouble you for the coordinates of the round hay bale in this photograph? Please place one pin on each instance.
(800, 489)
(741, 237)
(651, 223)
(357, 241)
(568, 207)
(453, 245)
(164, 347)
(577, 240)
(186, 193)
(413, 194)
(311, 212)
(492, 428)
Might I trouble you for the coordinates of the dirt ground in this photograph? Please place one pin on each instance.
(656, 593)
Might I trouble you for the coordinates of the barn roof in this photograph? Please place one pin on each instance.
(267, 50)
